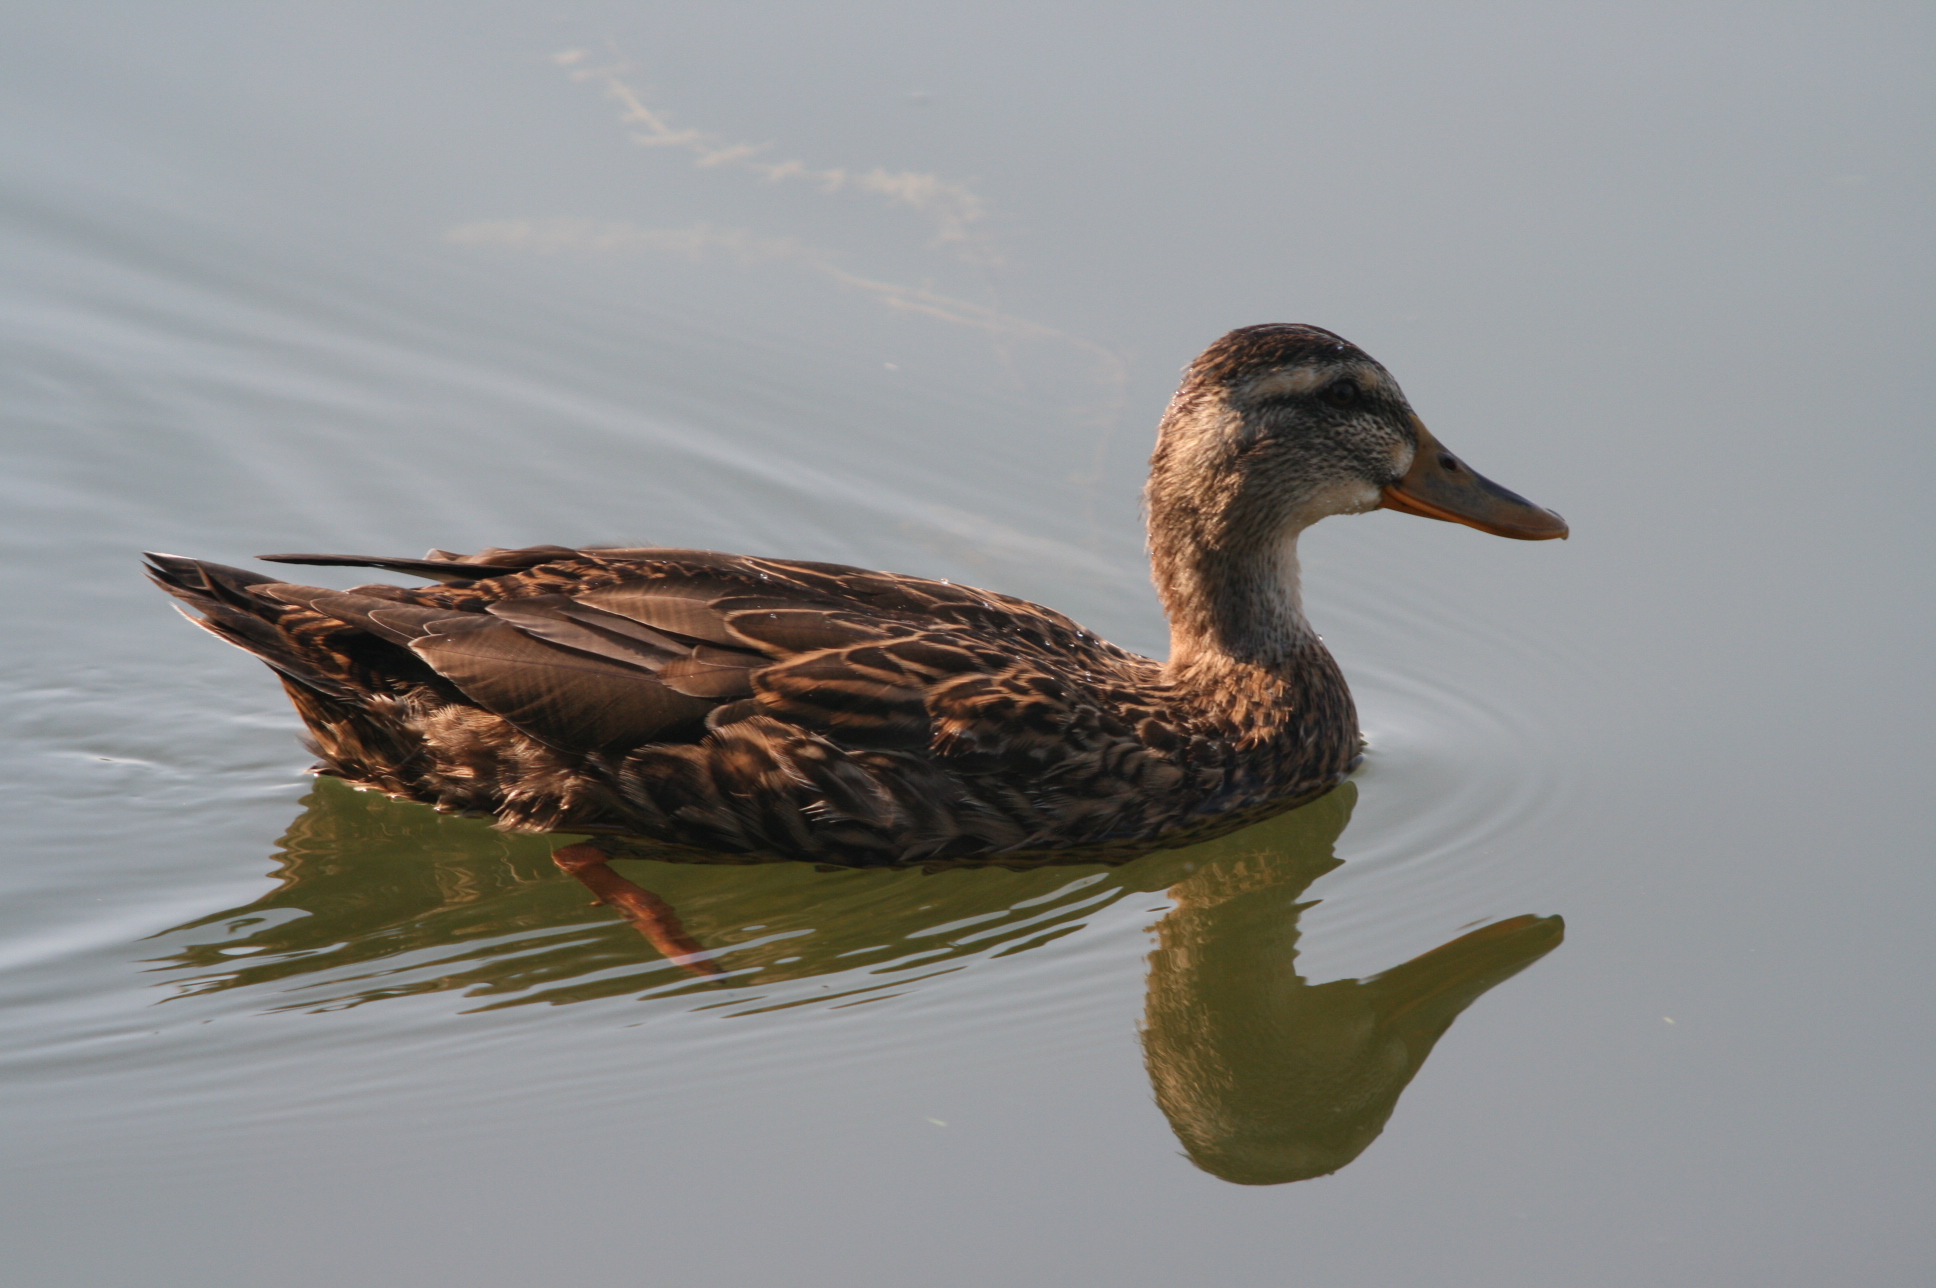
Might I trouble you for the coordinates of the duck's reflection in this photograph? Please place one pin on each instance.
(1264, 1077)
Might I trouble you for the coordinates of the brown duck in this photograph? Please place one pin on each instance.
(780, 708)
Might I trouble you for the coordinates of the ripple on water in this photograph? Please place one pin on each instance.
(1465, 785)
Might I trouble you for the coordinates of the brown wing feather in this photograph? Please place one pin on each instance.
(550, 618)
(561, 696)
(680, 607)
(563, 683)
(785, 628)
(703, 677)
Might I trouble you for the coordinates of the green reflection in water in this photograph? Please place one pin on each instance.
(1264, 1077)
(380, 898)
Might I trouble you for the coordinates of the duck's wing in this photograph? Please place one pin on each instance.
(887, 660)
(607, 650)
(567, 675)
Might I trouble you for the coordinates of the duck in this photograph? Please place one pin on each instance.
(757, 709)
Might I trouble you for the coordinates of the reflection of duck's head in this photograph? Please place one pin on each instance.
(1266, 1078)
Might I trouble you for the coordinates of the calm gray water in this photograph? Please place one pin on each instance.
(908, 289)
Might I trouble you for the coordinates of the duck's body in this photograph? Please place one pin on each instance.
(763, 706)
(808, 710)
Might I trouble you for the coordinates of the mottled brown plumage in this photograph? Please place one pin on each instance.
(780, 708)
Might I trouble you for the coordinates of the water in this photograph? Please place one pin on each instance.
(380, 278)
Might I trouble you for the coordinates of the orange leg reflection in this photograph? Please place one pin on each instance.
(652, 915)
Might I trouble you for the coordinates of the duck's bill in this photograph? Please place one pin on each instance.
(1441, 486)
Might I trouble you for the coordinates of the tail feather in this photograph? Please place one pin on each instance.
(197, 578)
(231, 613)
(490, 563)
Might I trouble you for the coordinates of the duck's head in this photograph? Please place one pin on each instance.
(1275, 427)
(1285, 424)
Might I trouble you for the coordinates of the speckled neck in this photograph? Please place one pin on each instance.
(1233, 602)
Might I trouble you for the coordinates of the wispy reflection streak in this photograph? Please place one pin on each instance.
(953, 208)
(699, 242)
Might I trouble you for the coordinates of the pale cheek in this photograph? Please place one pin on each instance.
(1348, 496)
(1361, 497)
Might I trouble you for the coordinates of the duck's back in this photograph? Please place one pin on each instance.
(727, 702)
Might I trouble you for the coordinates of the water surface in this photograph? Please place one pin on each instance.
(1609, 967)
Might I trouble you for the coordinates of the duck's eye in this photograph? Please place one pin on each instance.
(1342, 393)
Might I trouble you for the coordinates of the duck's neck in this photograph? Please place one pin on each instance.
(1233, 601)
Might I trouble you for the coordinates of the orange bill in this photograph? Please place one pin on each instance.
(1441, 486)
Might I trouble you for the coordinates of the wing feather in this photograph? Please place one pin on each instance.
(679, 607)
(530, 668)
(550, 618)
(561, 696)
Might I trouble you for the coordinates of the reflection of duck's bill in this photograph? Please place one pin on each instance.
(1446, 980)
(1441, 486)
